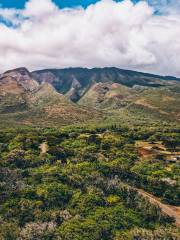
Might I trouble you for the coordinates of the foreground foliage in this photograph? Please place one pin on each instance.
(82, 185)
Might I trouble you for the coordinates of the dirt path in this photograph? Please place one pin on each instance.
(171, 211)
(43, 147)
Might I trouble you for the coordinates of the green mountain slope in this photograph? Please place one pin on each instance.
(160, 103)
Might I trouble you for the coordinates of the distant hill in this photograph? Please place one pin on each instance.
(74, 82)
(79, 95)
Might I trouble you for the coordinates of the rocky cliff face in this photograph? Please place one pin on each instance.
(20, 77)
(15, 86)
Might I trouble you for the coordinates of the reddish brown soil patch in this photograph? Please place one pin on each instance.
(143, 153)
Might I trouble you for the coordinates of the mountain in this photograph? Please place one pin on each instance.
(125, 92)
(15, 85)
(74, 82)
(79, 95)
(107, 95)
(25, 101)
(163, 101)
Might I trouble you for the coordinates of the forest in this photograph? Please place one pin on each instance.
(82, 183)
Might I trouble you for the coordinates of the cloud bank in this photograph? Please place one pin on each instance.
(108, 33)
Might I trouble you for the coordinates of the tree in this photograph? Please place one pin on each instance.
(38, 230)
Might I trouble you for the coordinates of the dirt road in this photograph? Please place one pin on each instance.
(171, 211)
(43, 147)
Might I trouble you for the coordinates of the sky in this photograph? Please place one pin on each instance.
(130, 34)
(84, 3)
(60, 3)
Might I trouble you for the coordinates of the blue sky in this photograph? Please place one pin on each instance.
(68, 3)
(158, 5)
(61, 3)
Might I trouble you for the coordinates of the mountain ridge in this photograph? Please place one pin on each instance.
(76, 95)
(76, 81)
(165, 77)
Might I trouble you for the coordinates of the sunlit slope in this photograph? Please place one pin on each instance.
(25, 101)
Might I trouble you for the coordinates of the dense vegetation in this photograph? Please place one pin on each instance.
(82, 183)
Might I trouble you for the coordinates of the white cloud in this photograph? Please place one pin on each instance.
(166, 6)
(108, 33)
(39, 8)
